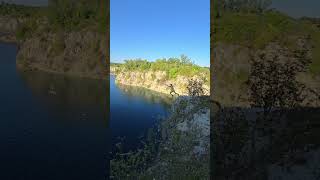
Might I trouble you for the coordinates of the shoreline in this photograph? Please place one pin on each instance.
(75, 75)
(156, 81)
(138, 86)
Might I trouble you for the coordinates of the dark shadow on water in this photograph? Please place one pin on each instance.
(51, 127)
(150, 96)
(244, 145)
(80, 98)
(133, 111)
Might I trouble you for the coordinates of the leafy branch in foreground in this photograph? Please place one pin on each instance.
(277, 124)
(134, 163)
(169, 152)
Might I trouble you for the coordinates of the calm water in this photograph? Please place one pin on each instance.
(51, 136)
(133, 111)
(54, 127)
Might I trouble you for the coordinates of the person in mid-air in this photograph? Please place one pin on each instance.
(172, 91)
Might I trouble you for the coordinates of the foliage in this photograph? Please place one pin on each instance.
(253, 29)
(272, 81)
(174, 67)
(71, 14)
(134, 163)
(253, 6)
(257, 30)
(264, 131)
(166, 155)
(195, 88)
(66, 15)
(19, 11)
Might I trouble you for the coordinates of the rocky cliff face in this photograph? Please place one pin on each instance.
(76, 53)
(8, 26)
(230, 71)
(157, 81)
(81, 53)
(232, 65)
(184, 150)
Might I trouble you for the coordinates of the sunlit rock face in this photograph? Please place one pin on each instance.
(185, 141)
(76, 53)
(158, 81)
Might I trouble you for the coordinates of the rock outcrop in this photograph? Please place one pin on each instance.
(8, 26)
(184, 151)
(158, 81)
(232, 66)
(80, 53)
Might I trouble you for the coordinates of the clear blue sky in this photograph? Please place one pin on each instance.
(152, 29)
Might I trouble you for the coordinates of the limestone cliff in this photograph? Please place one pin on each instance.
(80, 53)
(8, 26)
(183, 146)
(232, 66)
(157, 81)
(184, 150)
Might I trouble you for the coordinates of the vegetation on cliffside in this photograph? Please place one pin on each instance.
(177, 148)
(174, 67)
(163, 75)
(66, 37)
(241, 29)
(75, 15)
(60, 15)
(20, 11)
(256, 30)
(266, 81)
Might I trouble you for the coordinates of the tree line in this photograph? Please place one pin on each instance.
(252, 6)
(70, 14)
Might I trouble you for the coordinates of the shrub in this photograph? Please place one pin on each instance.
(173, 67)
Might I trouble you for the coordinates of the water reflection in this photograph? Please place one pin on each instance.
(149, 96)
(51, 126)
(81, 98)
(133, 111)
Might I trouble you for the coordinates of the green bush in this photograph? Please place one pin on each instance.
(256, 30)
(173, 67)
(75, 15)
(26, 29)
(22, 11)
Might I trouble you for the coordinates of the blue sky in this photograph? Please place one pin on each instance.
(152, 29)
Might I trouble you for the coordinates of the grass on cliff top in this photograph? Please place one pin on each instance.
(20, 11)
(61, 15)
(74, 15)
(257, 30)
(174, 67)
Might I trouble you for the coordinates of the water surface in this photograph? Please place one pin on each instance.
(55, 127)
(60, 135)
(134, 110)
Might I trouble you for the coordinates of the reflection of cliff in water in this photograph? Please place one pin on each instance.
(77, 98)
(150, 96)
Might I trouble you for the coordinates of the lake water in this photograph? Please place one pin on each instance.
(133, 111)
(56, 127)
